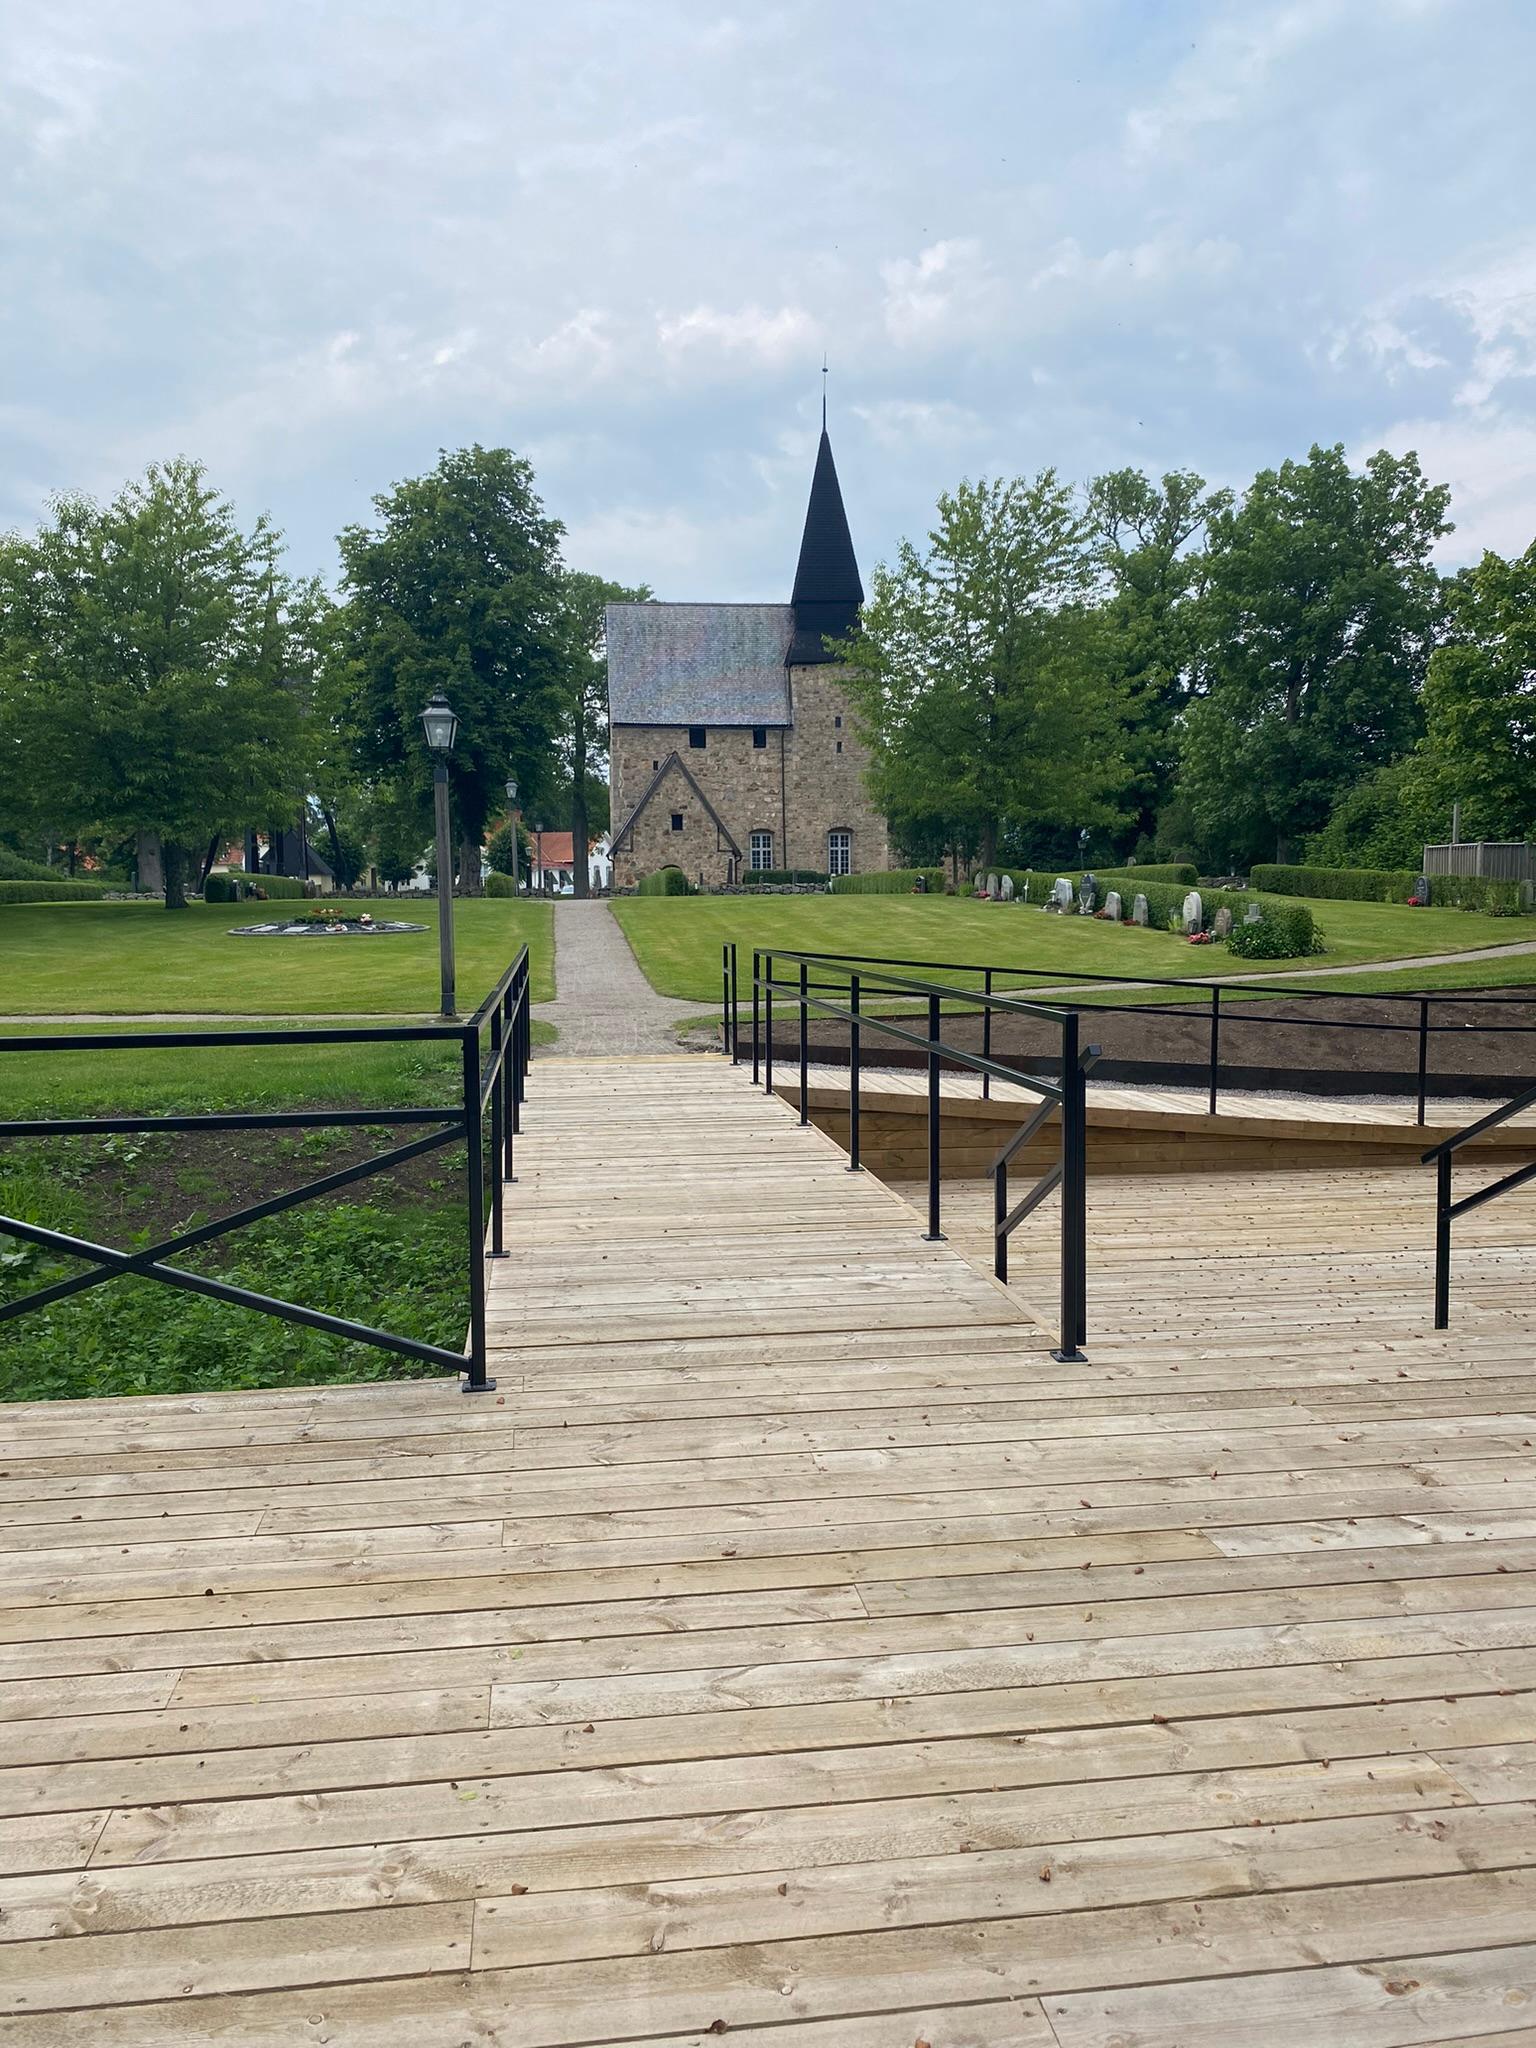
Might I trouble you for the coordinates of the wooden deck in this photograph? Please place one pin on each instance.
(789, 1650)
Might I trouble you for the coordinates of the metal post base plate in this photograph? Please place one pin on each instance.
(466, 1388)
(1070, 1357)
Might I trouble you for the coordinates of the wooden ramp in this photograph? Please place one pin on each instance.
(788, 1652)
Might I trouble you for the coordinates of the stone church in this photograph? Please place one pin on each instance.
(733, 748)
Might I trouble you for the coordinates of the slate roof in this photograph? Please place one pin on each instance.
(698, 664)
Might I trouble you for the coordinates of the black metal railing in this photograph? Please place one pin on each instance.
(1430, 1016)
(1443, 1157)
(494, 1046)
(814, 983)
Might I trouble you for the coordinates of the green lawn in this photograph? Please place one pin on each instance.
(124, 959)
(677, 940)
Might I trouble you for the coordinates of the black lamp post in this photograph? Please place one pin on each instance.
(512, 812)
(538, 859)
(442, 727)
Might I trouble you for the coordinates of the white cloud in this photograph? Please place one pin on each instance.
(1488, 458)
(943, 291)
(1234, 59)
(751, 332)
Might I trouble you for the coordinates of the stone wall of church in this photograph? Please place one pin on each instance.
(805, 782)
(826, 763)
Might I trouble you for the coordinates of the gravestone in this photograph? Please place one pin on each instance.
(1139, 910)
(1112, 906)
(1254, 914)
(1061, 895)
(1420, 894)
(1087, 895)
(993, 886)
(1194, 912)
(1221, 923)
(1006, 889)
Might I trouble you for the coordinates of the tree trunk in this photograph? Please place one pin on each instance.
(174, 860)
(469, 867)
(72, 850)
(210, 855)
(988, 854)
(149, 863)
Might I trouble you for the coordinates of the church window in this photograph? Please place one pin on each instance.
(759, 735)
(839, 853)
(760, 854)
(677, 821)
(696, 736)
(838, 721)
(839, 746)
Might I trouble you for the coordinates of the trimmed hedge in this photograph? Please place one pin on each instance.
(224, 889)
(1183, 872)
(1126, 880)
(51, 892)
(665, 882)
(753, 875)
(889, 882)
(284, 886)
(1350, 885)
(15, 867)
(500, 885)
(1286, 932)
(1477, 892)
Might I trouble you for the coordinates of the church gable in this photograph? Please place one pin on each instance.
(673, 784)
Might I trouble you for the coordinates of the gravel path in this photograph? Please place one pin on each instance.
(604, 1003)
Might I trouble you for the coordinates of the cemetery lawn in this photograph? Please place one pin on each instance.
(677, 939)
(127, 959)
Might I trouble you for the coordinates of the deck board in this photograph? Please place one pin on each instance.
(790, 1644)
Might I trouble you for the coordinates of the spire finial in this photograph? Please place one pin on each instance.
(823, 391)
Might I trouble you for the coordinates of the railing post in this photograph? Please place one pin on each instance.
(513, 1041)
(805, 1046)
(934, 1234)
(1215, 1044)
(1074, 1176)
(757, 975)
(524, 1045)
(986, 1034)
(999, 1218)
(1423, 1057)
(768, 1024)
(1443, 1241)
(735, 1009)
(498, 1082)
(475, 1381)
(853, 1074)
(725, 996)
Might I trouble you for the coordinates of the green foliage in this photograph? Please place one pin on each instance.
(782, 875)
(15, 868)
(51, 892)
(666, 882)
(1317, 619)
(498, 884)
(1182, 871)
(583, 735)
(889, 882)
(1388, 817)
(1149, 643)
(148, 652)
(402, 1269)
(1478, 892)
(224, 889)
(499, 853)
(278, 886)
(1287, 931)
(974, 678)
(457, 589)
(1355, 885)
(1480, 697)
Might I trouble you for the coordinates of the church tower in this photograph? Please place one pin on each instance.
(733, 750)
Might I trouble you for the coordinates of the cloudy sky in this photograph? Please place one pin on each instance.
(312, 241)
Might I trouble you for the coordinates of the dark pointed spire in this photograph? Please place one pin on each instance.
(827, 592)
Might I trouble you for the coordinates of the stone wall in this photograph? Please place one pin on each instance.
(804, 783)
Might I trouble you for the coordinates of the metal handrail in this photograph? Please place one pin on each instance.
(1422, 1025)
(499, 1079)
(1443, 1157)
(1067, 1095)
